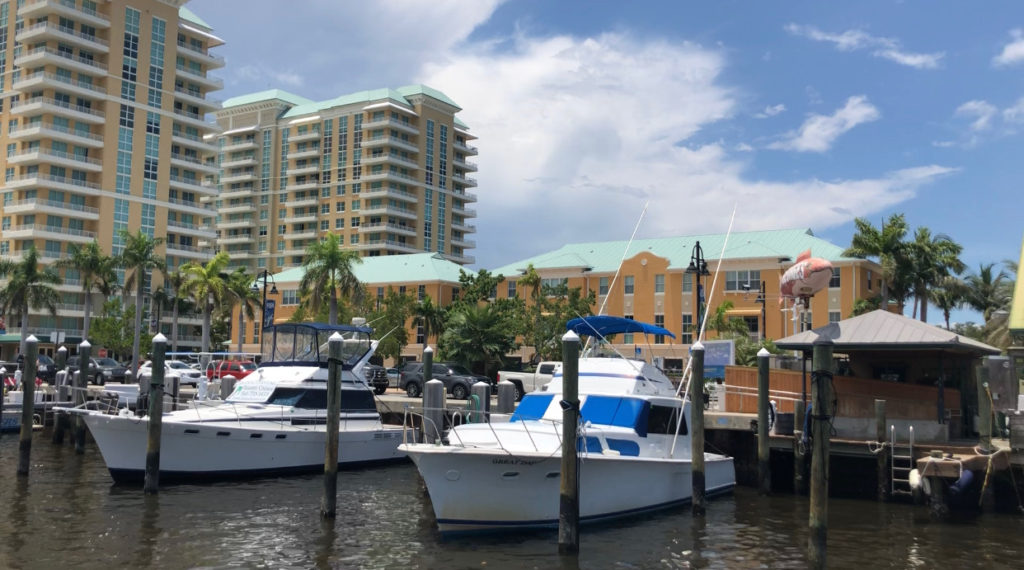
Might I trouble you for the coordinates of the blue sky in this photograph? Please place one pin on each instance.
(799, 114)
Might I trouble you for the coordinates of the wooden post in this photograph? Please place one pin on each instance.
(156, 413)
(569, 500)
(506, 397)
(697, 427)
(81, 385)
(984, 412)
(821, 396)
(28, 404)
(60, 421)
(884, 453)
(764, 476)
(799, 453)
(329, 504)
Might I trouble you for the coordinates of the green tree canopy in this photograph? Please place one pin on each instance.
(328, 269)
(206, 284)
(96, 273)
(28, 287)
(139, 260)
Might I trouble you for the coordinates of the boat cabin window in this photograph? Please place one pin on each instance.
(309, 344)
(662, 419)
(351, 400)
(616, 411)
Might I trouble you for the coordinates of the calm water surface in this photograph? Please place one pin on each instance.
(68, 514)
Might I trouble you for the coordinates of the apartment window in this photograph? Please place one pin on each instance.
(743, 280)
(339, 224)
(687, 283)
(659, 320)
(628, 285)
(325, 208)
(602, 286)
(834, 317)
(421, 338)
(290, 297)
(834, 282)
(325, 225)
(687, 330)
(659, 285)
(869, 279)
(511, 289)
(627, 338)
(421, 292)
(339, 207)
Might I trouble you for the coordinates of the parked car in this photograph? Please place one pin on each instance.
(46, 369)
(377, 378)
(172, 369)
(460, 369)
(457, 384)
(111, 370)
(92, 376)
(393, 376)
(529, 381)
(237, 368)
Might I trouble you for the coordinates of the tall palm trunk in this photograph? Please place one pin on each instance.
(206, 327)
(138, 330)
(174, 327)
(924, 305)
(88, 313)
(332, 315)
(24, 326)
(241, 326)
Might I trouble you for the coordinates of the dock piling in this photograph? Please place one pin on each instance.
(28, 404)
(984, 412)
(506, 397)
(699, 501)
(61, 378)
(821, 418)
(81, 383)
(764, 476)
(482, 391)
(151, 483)
(799, 453)
(434, 402)
(884, 452)
(569, 500)
(329, 504)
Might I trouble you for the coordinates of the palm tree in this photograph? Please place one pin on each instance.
(172, 283)
(96, 271)
(206, 285)
(948, 294)
(885, 243)
(240, 286)
(328, 270)
(722, 323)
(429, 316)
(986, 290)
(478, 334)
(932, 259)
(27, 288)
(140, 257)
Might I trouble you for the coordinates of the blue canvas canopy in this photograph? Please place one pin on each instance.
(604, 325)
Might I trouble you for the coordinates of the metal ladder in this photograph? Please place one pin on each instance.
(901, 462)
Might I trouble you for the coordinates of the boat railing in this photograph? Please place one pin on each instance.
(418, 418)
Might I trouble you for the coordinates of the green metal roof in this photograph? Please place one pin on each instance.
(190, 17)
(410, 268)
(1017, 304)
(398, 96)
(268, 95)
(429, 92)
(605, 257)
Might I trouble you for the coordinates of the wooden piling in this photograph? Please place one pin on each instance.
(61, 420)
(506, 397)
(697, 428)
(156, 413)
(81, 382)
(984, 412)
(821, 425)
(432, 428)
(569, 500)
(764, 481)
(329, 504)
(28, 404)
(799, 453)
(884, 453)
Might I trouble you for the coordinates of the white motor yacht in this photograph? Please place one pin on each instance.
(272, 424)
(633, 440)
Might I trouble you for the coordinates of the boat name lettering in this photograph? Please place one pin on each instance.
(514, 461)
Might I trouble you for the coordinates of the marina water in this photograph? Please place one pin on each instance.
(67, 514)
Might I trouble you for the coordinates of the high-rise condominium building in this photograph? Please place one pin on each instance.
(387, 170)
(101, 114)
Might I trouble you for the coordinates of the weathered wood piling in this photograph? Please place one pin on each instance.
(699, 501)
(884, 453)
(151, 482)
(569, 499)
(61, 420)
(28, 404)
(81, 380)
(821, 418)
(329, 504)
(764, 475)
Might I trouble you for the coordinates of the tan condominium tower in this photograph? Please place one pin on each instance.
(387, 170)
(102, 120)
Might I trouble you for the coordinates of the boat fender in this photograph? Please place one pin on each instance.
(963, 483)
(915, 479)
(771, 415)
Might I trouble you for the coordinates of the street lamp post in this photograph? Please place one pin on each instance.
(698, 266)
(764, 321)
(264, 275)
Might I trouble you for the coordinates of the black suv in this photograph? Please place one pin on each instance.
(377, 378)
(101, 370)
(457, 380)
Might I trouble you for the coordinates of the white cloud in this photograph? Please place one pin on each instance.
(1014, 113)
(856, 40)
(819, 131)
(1013, 52)
(981, 111)
(771, 111)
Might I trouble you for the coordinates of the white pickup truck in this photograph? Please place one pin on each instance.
(530, 381)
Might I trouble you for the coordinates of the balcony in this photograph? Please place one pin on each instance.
(463, 211)
(388, 210)
(233, 177)
(390, 141)
(305, 170)
(49, 156)
(386, 192)
(233, 239)
(49, 56)
(228, 194)
(36, 131)
(387, 158)
(392, 123)
(464, 180)
(209, 60)
(191, 229)
(239, 162)
(463, 227)
(461, 194)
(190, 207)
(392, 177)
(213, 83)
(236, 208)
(61, 108)
(463, 242)
(46, 80)
(193, 119)
(391, 244)
(388, 228)
(468, 149)
(303, 217)
(186, 250)
(467, 166)
(198, 99)
(41, 206)
(192, 185)
(309, 233)
(42, 231)
(307, 200)
(53, 183)
(305, 153)
(192, 141)
(313, 135)
(307, 185)
(460, 259)
(248, 144)
(193, 163)
(39, 8)
(47, 31)
(235, 224)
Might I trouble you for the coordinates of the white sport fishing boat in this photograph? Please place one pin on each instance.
(633, 439)
(272, 424)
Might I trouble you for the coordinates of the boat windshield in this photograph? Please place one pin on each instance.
(308, 343)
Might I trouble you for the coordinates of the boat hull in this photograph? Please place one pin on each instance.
(478, 490)
(192, 451)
